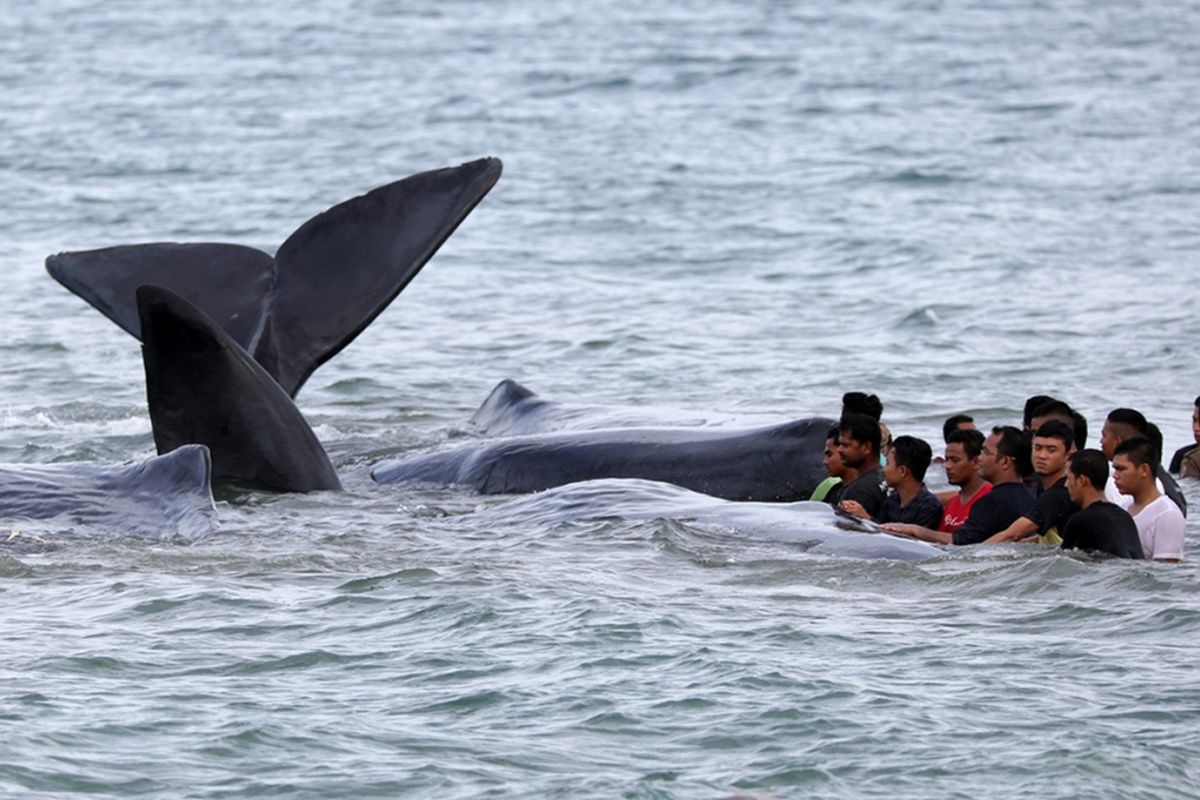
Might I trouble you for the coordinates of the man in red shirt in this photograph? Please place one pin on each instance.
(962, 470)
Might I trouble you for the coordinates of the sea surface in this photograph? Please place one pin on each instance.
(737, 209)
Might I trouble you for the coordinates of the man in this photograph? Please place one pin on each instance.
(1031, 406)
(1120, 424)
(1057, 409)
(1159, 522)
(858, 445)
(962, 470)
(871, 406)
(1186, 461)
(1126, 423)
(909, 501)
(1053, 443)
(957, 422)
(1008, 499)
(1100, 526)
(830, 490)
(963, 448)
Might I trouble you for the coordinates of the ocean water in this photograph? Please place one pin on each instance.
(712, 210)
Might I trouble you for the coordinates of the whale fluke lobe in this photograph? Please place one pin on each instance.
(358, 256)
(203, 388)
(328, 281)
(228, 281)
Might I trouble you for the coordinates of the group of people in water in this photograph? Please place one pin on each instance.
(1038, 483)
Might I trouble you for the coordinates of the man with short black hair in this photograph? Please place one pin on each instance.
(962, 470)
(1032, 405)
(830, 490)
(957, 422)
(1099, 526)
(1053, 443)
(1120, 424)
(1002, 452)
(858, 445)
(1159, 521)
(1055, 409)
(1126, 423)
(871, 406)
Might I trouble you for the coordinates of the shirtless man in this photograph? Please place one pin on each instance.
(1160, 523)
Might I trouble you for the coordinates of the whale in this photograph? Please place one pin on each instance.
(168, 496)
(778, 463)
(203, 388)
(813, 528)
(328, 280)
(512, 409)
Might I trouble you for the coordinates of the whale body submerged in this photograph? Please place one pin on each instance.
(165, 496)
(813, 527)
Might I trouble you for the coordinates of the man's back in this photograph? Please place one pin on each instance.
(1105, 528)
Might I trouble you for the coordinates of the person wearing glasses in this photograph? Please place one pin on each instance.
(1003, 461)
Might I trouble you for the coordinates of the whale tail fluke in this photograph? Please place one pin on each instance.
(203, 388)
(328, 281)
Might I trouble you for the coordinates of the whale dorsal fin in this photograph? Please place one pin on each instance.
(203, 388)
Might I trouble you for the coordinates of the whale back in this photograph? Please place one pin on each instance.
(165, 496)
(202, 387)
(778, 463)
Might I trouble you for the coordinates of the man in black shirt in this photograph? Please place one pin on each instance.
(858, 443)
(1101, 526)
(1053, 443)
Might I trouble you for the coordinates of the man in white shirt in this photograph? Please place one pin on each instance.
(1159, 521)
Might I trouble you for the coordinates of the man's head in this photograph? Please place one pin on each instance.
(1055, 409)
(861, 403)
(1080, 429)
(1087, 473)
(1121, 424)
(957, 422)
(908, 459)
(833, 459)
(1052, 444)
(1031, 405)
(1135, 462)
(858, 440)
(962, 456)
(1196, 421)
(1005, 455)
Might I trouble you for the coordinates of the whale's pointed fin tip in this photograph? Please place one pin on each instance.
(203, 388)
